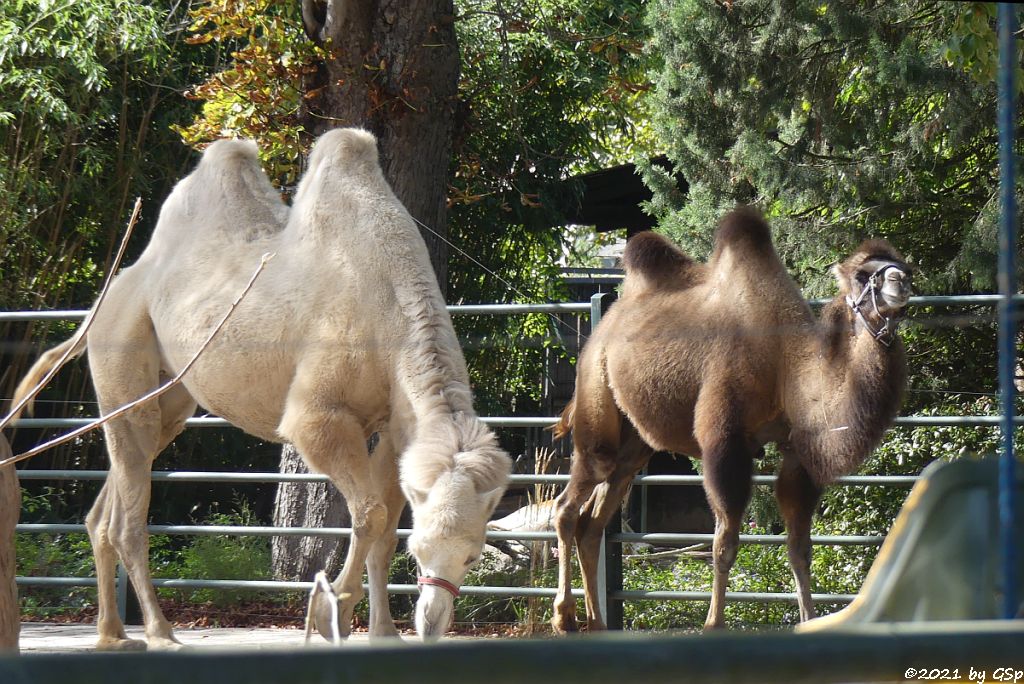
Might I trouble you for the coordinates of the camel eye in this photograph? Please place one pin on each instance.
(472, 560)
(862, 277)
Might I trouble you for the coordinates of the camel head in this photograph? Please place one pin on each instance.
(876, 283)
(453, 478)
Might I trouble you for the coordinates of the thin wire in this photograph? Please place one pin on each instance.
(451, 244)
(506, 283)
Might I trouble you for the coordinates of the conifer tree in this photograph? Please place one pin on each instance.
(841, 120)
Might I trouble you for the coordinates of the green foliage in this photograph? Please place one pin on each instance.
(840, 120)
(258, 93)
(224, 557)
(87, 92)
(758, 569)
(83, 92)
(973, 46)
(51, 555)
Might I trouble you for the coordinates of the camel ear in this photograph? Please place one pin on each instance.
(842, 278)
(492, 499)
(413, 495)
(489, 468)
(417, 476)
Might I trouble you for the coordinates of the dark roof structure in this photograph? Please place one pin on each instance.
(611, 198)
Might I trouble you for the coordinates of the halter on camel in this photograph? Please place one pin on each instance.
(438, 582)
(884, 334)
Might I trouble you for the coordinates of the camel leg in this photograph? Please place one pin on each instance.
(604, 504)
(117, 521)
(384, 462)
(333, 442)
(596, 434)
(108, 623)
(117, 528)
(567, 518)
(728, 467)
(798, 497)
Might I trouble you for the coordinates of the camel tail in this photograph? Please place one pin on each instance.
(654, 256)
(39, 370)
(564, 425)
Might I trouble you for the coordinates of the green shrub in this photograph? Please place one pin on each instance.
(224, 557)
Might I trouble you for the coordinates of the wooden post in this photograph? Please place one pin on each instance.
(10, 507)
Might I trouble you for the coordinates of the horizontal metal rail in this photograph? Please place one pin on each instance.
(660, 538)
(551, 307)
(967, 651)
(501, 592)
(537, 421)
(267, 477)
(457, 309)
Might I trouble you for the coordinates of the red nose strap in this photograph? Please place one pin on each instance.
(438, 582)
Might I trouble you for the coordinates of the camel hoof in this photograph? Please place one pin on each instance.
(713, 626)
(384, 632)
(166, 644)
(120, 644)
(562, 625)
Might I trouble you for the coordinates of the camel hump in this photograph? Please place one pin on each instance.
(347, 146)
(743, 227)
(654, 256)
(349, 153)
(230, 152)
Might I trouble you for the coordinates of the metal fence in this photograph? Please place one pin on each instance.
(612, 591)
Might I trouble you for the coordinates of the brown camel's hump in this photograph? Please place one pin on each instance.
(657, 260)
(743, 227)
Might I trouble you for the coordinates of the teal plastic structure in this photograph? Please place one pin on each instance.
(942, 557)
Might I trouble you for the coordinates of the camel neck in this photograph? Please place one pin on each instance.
(846, 390)
(432, 369)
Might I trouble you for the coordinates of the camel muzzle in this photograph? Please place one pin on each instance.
(435, 610)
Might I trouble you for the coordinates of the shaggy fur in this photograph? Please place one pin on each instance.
(344, 334)
(714, 361)
(10, 506)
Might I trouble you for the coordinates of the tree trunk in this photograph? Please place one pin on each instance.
(301, 504)
(393, 68)
(10, 507)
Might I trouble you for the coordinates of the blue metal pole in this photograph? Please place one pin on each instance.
(1007, 288)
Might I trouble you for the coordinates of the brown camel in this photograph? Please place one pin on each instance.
(10, 506)
(714, 361)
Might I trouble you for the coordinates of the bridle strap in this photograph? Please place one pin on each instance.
(438, 582)
(884, 334)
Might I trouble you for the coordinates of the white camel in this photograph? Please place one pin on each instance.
(344, 334)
